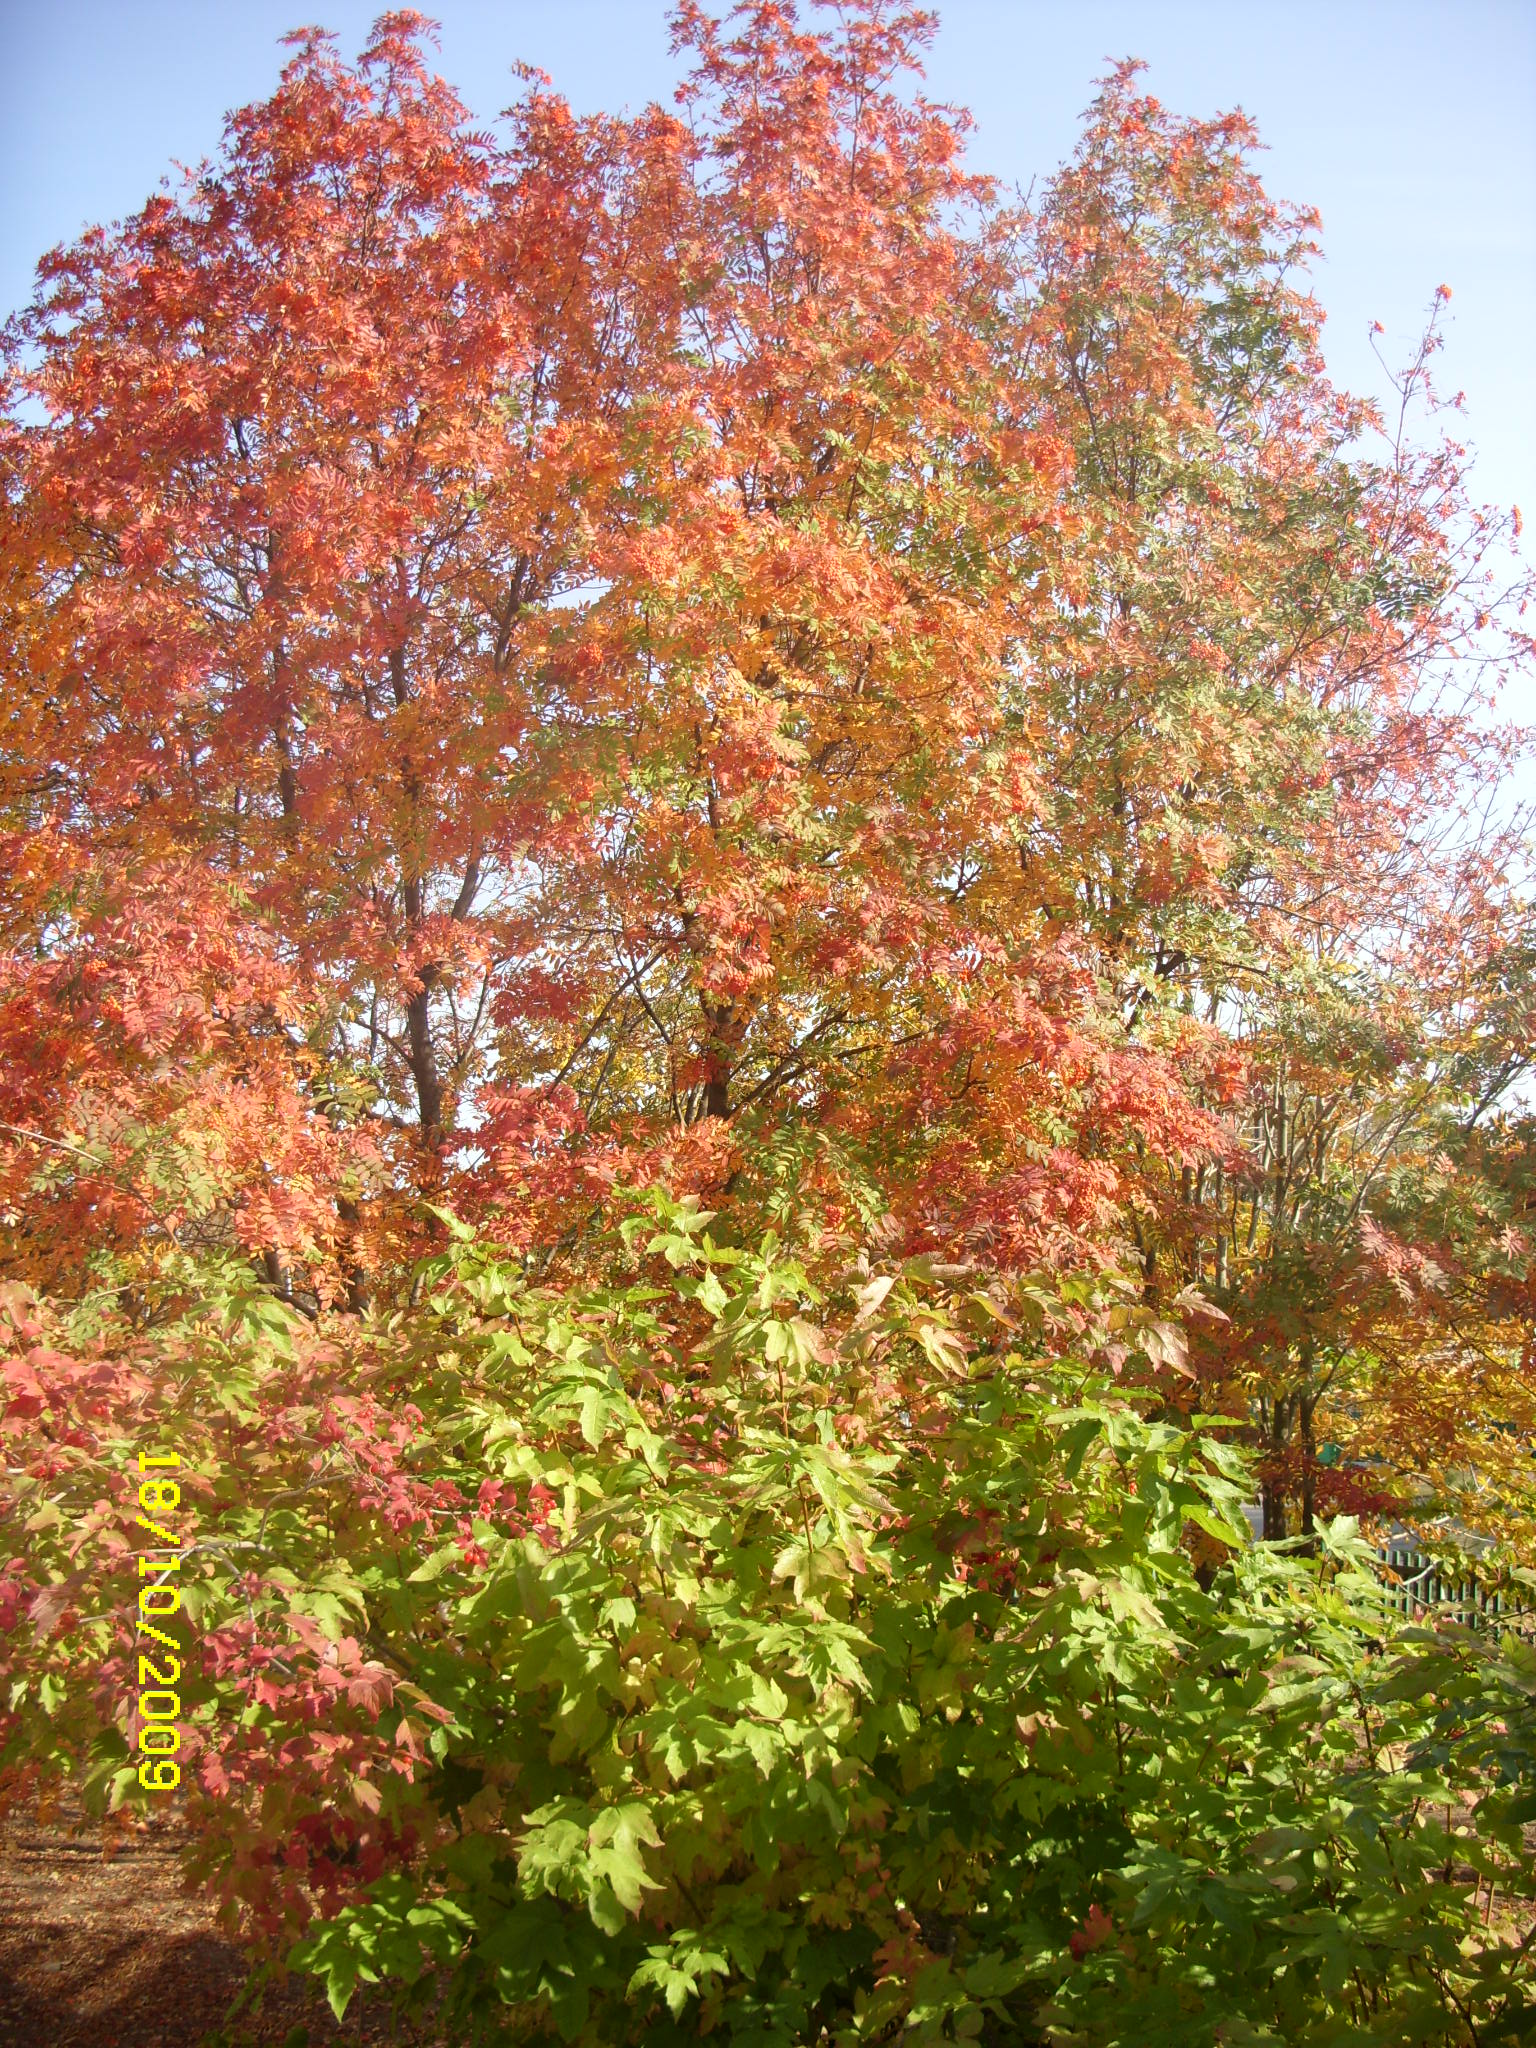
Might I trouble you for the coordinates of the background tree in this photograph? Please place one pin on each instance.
(1271, 792)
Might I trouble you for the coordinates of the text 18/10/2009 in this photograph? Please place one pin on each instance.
(158, 1703)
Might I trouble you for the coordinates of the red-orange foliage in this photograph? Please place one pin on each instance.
(699, 646)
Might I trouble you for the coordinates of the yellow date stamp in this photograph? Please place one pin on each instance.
(158, 1702)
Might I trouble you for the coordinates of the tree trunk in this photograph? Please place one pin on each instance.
(1273, 1495)
(418, 1025)
(724, 1024)
(429, 1084)
(359, 1287)
(1307, 1404)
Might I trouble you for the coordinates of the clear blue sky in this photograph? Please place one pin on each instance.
(1410, 123)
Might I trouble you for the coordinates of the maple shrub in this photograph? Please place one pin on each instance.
(759, 921)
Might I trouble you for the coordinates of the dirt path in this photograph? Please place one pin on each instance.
(101, 1948)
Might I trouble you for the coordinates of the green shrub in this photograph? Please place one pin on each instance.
(715, 1652)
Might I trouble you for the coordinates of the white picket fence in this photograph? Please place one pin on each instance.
(1418, 1584)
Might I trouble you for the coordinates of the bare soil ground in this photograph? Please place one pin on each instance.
(100, 1945)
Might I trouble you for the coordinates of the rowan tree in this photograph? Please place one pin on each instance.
(1262, 701)
(324, 436)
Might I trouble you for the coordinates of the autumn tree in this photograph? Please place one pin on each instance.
(1259, 692)
(327, 438)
